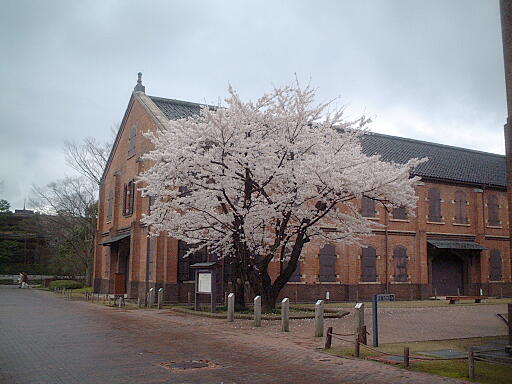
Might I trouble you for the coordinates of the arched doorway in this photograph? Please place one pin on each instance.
(447, 274)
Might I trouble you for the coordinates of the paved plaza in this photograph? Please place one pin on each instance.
(47, 339)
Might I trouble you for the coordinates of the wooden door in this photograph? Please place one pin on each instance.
(447, 274)
(119, 284)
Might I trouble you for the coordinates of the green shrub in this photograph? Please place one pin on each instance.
(67, 284)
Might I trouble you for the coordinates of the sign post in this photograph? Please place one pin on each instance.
(375, 300)
(206, 283)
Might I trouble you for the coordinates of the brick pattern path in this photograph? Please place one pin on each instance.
(46, 339)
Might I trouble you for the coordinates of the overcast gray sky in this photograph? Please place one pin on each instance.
(429, 70)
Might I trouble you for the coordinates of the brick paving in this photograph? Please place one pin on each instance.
(46, 339)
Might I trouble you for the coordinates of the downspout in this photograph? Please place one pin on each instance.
(386, 218)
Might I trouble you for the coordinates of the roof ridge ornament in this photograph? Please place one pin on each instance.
(139, 87)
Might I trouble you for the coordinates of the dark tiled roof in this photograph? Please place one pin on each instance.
(445, 162)
(176, 109)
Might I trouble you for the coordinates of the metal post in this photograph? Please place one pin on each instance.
(257, 311)
(375, 321)
(406, 357)
(328, 338)
(231, 307)
(319, 318)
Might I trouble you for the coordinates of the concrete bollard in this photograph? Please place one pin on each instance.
(160, 297)
(231, 307)
(151, 297)
(257, 311)
(358, 317)
(138, 302)
(285, 315)
(319, 318)
(120, 301)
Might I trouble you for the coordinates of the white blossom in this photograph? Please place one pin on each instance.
(247, 168)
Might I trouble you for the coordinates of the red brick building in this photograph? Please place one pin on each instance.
(456, 241)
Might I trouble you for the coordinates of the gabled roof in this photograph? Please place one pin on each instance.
(176, 109)
(446, 163)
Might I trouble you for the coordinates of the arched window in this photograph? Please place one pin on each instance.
(461, 216)
(327, 263)
(493, 210)
(434, 205)
(495, 265)
(369, 264)
(295, 277)
(367, 207)
(400, 213)
(400, 263)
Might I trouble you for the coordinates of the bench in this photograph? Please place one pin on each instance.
(454, 299)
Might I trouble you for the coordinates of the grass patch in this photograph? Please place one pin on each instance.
(486, 373)
(248, 314)
(82, 290)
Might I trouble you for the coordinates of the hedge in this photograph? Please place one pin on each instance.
(67, 284)
(31, 269)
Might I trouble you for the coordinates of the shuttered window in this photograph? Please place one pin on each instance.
(131, 141)
(295, 277)
(495, 265)
(400, 263)
(400, 213)
(129, 195)
(185, 273)
(110, 206)
(367, 207)
(151, 251)
(461, 216)
(434, 205)
(327, 263)
(369, 264)
(493, 210)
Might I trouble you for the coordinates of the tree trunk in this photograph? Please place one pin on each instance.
(239, 288)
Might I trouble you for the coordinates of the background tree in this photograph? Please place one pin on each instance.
(70, 205)
(70, 211)
(4, 206)
(265, 175)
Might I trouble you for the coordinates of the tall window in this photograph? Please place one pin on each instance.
(328, 263)
(129, 194)
(400, 213)
(367, 207)
(369, 264)
(495, 265)
(295, 277)
(493, 210)
(400, 263)
(110, 206)
(131, 141)
(461, 216)
(185, 273)
(151, 251)
(434, 205)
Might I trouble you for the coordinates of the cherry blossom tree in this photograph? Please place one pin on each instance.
(256, 178)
